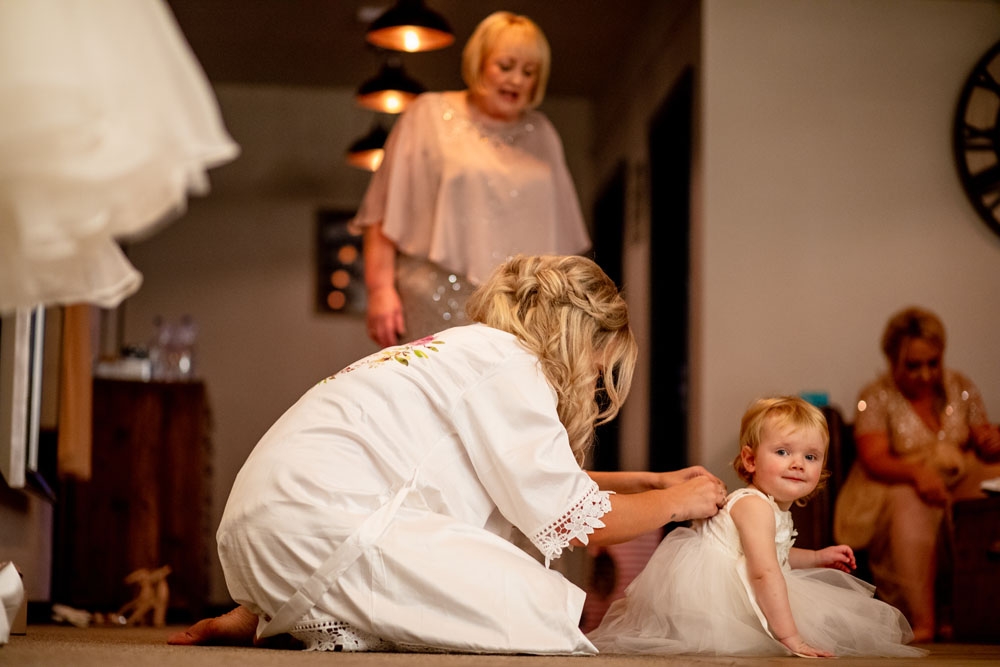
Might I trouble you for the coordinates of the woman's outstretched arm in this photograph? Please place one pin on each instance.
(636, 481)
(633, 514)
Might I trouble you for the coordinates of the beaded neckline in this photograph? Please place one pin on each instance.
(506, 134)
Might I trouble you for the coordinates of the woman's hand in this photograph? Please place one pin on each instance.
(636, 512)
(385, 316)
(385, 311)
(698, 497)
(929, 485)
(987, 439)
(676, 478)
(665, 480)
(878, 460)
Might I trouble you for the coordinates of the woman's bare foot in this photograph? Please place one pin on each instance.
(234, 628)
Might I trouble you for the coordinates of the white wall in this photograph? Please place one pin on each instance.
(241, 261)
(824, 197)
(830, 198)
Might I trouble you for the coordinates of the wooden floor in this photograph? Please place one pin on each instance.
(60, 646)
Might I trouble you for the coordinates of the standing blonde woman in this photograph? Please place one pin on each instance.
(470, 177)
(377, 513)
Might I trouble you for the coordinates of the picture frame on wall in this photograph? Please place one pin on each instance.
(340, 274)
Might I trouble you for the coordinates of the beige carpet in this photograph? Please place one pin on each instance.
(66, 646)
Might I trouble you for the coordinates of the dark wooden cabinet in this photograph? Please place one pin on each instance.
(147, 504)
(976, 573)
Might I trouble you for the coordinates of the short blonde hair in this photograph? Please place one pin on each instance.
(485, 38)
(780, 411)
(911, 323)
(568, 312)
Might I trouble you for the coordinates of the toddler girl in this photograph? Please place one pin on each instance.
(734, 585)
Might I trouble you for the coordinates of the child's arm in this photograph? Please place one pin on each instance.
(754, 521)
(839, 557)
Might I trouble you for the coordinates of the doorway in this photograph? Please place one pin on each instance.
(669, 275)
(609, 234)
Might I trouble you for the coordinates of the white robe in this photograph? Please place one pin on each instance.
(398, 481)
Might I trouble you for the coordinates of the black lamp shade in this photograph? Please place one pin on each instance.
(367, 152)
(389, 91)
(410, 26)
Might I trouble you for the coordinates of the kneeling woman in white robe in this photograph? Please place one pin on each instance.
(375, 514)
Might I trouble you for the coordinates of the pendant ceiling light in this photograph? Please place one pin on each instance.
(367, 152)
(410, 26)
(389, 91)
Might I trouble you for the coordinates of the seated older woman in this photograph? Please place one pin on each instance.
(923, 441)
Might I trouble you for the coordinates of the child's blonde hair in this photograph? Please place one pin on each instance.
(568, 312)
(784, 411)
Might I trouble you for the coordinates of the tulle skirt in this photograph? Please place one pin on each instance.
(106, 124)
(691, 599)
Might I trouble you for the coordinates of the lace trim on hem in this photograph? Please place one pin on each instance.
(332, 635)
(578, 522)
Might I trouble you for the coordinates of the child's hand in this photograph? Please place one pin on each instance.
(797, 645)
(839, 557)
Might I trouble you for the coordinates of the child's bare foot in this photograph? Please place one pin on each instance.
(234, 628)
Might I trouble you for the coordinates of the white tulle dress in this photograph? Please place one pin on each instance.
(107, 122)
(694, 597)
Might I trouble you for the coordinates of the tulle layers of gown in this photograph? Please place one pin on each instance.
(691, 599)
(107, 124)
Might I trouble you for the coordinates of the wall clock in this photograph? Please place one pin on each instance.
(976, 137)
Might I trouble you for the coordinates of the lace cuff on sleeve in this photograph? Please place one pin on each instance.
(578, 521)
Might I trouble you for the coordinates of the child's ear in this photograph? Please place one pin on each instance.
(748, 458)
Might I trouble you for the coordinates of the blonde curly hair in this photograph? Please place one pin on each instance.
(568, 312)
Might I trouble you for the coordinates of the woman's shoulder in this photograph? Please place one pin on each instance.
(880, 387)
(423, 104)
(537, 123)
(446, 104)
(494, 347)
(538, 118)
(958, 379)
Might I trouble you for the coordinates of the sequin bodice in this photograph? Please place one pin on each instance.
(882, 408)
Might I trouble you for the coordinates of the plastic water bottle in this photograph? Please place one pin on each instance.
(185, 337)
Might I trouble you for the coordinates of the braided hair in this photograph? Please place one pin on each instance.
(568, 312)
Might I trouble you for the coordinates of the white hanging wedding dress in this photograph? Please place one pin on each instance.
(107, 122)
